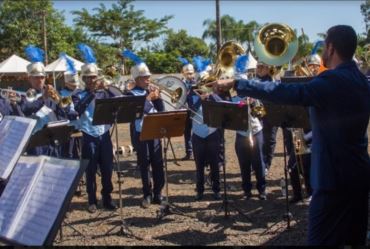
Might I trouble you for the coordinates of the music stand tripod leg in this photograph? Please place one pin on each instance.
(123, 227)
(287, 215)
(167, 207)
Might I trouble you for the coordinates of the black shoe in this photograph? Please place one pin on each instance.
(295, 199)
(187, 157)
(110, 206)
(248, 195)
(199, 196)
(217, 196)
(146, 201)
(262, 196)
(157, 199)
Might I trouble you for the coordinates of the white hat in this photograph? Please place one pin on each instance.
(188, 68)
(314, 60)
(90, 69)
(140, 69)
(71, 79)
(36, 69)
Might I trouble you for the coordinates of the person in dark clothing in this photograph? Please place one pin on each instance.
(338, 101)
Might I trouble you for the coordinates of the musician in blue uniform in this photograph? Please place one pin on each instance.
(339, 106)
(207, 141)
(189, 80)
(149, 152)
(45, 104)
(96, 141)
(71, 83)
(269, 131)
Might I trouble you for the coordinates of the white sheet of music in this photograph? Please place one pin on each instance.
(14, 135)
(39, 206)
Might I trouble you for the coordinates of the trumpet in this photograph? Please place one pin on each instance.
(31, 94)
(63, 102)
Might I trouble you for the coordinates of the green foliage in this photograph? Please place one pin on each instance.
(21, 25)
(121, 23)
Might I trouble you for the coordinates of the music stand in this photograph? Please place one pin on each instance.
(114, 111)
(164, 125)
(230, 116)
(288, 116)
(54, 135)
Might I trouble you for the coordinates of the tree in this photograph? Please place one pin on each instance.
(20, 25)
(121, 23)
(365, 11)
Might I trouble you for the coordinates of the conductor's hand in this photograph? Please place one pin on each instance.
(221, 85)
(153, 95)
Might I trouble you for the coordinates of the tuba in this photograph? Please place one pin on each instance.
(276, 44)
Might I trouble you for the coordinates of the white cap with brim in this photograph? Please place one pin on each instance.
(36, 69)
(188, 68)
(140, 70)
(71, 79)
(90, 69)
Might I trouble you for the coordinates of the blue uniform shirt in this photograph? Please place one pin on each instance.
(84, 103)
(339, 106)
(149, 107)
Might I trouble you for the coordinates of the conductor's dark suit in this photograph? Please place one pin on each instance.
(339, 105)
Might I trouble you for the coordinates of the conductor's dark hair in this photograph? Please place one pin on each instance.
(344, 40)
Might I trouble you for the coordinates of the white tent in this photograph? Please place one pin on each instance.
(14, 65)
(252, 62)
(60, 65)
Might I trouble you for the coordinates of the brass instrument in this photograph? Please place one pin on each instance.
(299, 142)
(276, 44)
(53, 94)
(174, 95)
(224, 67)
(257, 109)
(31, 94)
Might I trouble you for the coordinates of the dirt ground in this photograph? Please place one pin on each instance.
(261, 224)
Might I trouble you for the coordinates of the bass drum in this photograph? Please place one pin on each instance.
(173, 92)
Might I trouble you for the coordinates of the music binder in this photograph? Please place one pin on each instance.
(14, 135)
(36, 198)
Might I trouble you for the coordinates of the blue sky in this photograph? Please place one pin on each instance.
(313, 16)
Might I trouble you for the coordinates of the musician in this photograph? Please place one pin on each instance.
(250, 154)
(149, 153)
(96, 141)
(46, 98)
(207, 141)
(189, 80)
(313, 63)
(340, 170)
(9, 106)
(269, 131)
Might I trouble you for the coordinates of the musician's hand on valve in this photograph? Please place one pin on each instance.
(153, 95)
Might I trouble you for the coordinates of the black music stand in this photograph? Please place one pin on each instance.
(230, 116)
(114, 111)
(53, 135)
(288, 116)
(165, 125)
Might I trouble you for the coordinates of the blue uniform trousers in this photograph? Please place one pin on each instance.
(187, 136)
(303, 169)
(249, 157)
(208, 150)
(99, 151)
(46, 150)
(330, 225)
(150, 153)
(269, 143)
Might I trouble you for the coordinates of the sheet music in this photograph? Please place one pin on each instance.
(44, 116)
(14, 135)
(14, 193)
(41, 205)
